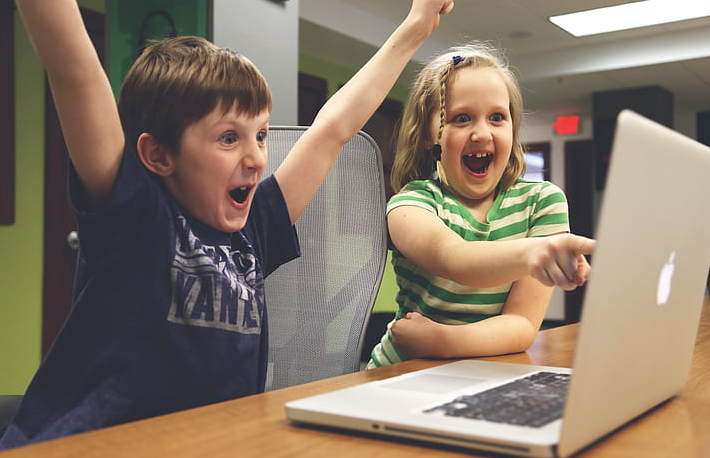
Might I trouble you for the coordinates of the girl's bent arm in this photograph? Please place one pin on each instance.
(511, 332)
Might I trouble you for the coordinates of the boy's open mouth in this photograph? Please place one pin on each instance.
(478, 163)
(240, 194)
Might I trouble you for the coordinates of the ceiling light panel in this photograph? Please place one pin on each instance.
(630, 16)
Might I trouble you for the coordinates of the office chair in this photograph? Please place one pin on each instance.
(319, 305)
(8, 406)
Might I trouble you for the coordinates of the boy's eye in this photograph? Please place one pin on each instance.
(261, 136)
(229, 138)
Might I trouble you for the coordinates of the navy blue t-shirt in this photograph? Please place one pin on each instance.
(168, 313)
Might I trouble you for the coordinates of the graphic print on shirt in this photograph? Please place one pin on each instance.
(207, 288)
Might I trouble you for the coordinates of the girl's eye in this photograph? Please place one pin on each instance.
(462, 118)
(229, 138)
(497, 117)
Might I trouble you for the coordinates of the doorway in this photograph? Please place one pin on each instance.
(579, 187)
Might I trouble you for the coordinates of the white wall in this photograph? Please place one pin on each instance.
(266, 32)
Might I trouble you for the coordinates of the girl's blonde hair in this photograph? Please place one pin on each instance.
(427, 99)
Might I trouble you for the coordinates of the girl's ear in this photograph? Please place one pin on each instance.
(154, 156)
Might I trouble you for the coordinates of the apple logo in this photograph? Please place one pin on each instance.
(664, 281)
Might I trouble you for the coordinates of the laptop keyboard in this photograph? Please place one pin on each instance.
(534, 400)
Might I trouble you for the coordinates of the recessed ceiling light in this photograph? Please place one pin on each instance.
(631, 16)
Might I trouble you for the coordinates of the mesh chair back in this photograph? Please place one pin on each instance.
(318, 305)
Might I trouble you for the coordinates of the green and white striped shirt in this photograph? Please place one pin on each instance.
(527, 209)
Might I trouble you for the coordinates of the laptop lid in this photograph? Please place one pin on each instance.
(643, 301)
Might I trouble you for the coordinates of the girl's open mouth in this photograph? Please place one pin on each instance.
(240, 194)
(478, 163)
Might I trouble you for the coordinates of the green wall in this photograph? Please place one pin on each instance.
(384, 303)
(21, 243)
(127, 17)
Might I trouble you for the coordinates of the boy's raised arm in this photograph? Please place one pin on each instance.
(81, 91)
(305, 168)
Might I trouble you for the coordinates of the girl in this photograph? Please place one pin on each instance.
(477, 249)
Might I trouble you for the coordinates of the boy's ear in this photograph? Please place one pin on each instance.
(154, 156)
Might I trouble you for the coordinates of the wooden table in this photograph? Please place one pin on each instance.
(256, 426)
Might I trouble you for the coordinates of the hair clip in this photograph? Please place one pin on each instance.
(436, 152)
(457, 59)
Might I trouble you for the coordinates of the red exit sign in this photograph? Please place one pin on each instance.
(565, 125)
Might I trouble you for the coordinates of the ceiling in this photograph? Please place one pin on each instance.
(557, 71)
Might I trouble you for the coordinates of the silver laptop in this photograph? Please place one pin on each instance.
(641, 311)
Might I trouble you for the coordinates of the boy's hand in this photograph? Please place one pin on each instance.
(559, 260)
(430, 10)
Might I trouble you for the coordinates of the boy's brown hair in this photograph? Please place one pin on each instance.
(177, 81)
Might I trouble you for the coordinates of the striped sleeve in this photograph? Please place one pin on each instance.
(418, 194)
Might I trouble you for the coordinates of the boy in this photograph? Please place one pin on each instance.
(177, 232)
